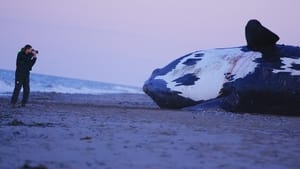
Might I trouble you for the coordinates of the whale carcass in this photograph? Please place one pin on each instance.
(262, 77)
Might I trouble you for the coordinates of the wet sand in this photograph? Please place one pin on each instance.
(125, 131)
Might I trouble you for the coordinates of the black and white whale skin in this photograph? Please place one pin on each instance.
(261, 77)
(236, 79)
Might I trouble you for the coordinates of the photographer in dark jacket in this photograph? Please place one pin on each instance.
(25, 60)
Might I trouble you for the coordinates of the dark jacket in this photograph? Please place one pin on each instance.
(24, 63)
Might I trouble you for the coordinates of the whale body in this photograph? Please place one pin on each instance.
(239, 79)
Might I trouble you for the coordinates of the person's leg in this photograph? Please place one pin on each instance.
(26, 90)
(18, 86)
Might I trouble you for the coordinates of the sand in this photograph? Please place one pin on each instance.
(122, 131)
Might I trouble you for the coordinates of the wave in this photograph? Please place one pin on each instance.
(46, 83)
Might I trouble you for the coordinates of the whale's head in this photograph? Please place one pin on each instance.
(198, 76)
(159, 90)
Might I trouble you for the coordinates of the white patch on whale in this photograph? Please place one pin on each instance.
(211, 70)
(288, 66)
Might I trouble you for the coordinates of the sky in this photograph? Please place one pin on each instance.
(123, 41)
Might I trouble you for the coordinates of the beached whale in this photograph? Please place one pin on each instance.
(261, 77)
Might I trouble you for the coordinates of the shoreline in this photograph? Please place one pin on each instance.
(130, 131)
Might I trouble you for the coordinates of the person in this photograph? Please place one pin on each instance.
(25, 60)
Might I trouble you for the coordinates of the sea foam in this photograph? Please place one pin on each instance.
(46, 83)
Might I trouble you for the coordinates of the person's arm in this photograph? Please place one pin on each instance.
(33, 60)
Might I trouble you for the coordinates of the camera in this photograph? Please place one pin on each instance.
(36, 51)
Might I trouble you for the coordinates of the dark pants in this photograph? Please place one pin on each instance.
(21, 80)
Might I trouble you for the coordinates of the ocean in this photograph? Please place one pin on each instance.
(47, 83)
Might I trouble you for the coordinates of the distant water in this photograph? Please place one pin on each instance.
(46, 83)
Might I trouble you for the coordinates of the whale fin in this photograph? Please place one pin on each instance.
(258, 36)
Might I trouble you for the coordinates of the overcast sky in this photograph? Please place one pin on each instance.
(122, 41)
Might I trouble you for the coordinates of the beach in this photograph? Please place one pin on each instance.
(112, 131)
